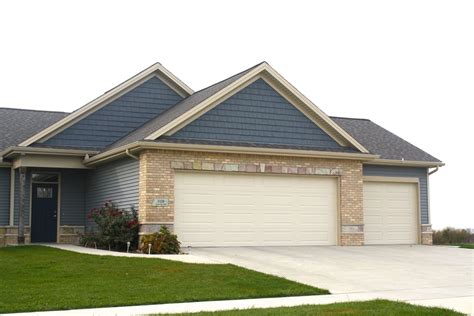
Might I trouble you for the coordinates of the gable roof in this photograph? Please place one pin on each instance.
(383, 142)
(204, 100)
(155, 70)
(177, 110)
(16, 125)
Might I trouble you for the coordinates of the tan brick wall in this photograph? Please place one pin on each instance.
(157, 168)
(426, 234)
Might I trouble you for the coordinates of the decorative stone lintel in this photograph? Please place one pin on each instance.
(253, 168)
(352, 229)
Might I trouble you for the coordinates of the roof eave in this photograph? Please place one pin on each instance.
(406, 163)
(14, 151)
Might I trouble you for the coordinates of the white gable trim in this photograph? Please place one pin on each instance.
(266, 72)
(156, 70)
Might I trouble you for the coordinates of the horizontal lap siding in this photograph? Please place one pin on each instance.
(411, 172)
(73, 208)
(4, 196)
(257, 114)
(116, 181)
(119, 117)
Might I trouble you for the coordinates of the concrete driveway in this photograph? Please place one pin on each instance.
(430, 275)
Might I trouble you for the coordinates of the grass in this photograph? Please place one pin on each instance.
(466, 246)
(376, 307)
(35, 278)
(460, 245)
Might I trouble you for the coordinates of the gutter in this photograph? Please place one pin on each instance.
(127, 150)
(406, 163)
(15, 150)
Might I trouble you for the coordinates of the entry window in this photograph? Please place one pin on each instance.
(44, 192)
(44, 177)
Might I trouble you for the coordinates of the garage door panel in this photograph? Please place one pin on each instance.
(256, 209)
(390, 213)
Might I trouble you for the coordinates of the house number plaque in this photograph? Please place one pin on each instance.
(160, 202)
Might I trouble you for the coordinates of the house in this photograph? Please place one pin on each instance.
(247, 161)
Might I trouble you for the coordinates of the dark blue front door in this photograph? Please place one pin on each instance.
(44, 209)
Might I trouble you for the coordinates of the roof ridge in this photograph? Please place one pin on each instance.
(350, 118)
(33, 110)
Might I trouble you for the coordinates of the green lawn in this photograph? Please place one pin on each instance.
(377, 307)
(467, 246)
(34, 278)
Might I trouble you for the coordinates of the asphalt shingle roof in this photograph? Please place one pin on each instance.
(382, 142)
(16, 125)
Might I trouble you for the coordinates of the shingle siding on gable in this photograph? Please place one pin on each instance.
(4, 196)
(392, 171)
(118, 118)
(258, 114)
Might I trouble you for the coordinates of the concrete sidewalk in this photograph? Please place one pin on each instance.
(210, 306)
(189, 258)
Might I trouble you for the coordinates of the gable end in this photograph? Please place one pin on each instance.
(119, 117)
(257, 115)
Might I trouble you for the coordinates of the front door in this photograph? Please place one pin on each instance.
(44, 211)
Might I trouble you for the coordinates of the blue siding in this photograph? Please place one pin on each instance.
(73, 196)
(116, 181)
(73, 212)
(4, 196)
(257, 114)
(118, 118)
(420, 173)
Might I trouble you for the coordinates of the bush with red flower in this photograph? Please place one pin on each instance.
(114, 228)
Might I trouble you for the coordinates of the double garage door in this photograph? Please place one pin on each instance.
(228, 209)
(225, 209)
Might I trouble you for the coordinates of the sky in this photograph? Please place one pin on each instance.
(406, 65)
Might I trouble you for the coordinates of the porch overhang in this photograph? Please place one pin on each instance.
(19, 157)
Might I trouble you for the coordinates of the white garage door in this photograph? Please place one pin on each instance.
(390, 213)
(224, 209)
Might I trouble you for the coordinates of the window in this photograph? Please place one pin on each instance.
(44, 177)
(44, 192)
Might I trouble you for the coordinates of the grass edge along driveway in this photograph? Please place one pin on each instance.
(37, 278)
(373, 307)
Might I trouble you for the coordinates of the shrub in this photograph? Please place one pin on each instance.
(114, 228)
(451, 235)
(163, 242)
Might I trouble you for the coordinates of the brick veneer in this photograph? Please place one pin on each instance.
(67, 235)
(426, 234)
(157, 169)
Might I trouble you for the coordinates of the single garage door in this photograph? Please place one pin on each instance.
(390, 213)
(225, 209)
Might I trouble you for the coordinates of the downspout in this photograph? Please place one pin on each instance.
(127, 152)
(434, 171)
